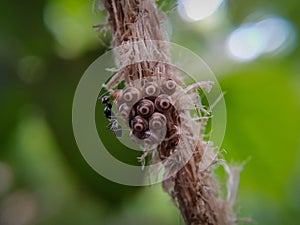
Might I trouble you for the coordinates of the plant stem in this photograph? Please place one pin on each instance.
(193, 189)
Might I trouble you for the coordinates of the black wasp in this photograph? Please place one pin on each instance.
(109, 114)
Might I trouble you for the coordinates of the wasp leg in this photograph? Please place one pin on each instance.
(115, 127)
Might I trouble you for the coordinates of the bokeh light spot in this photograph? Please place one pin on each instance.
(19, 208)
(278, 33)
(245, 43)
(6, 177)
(194, 10)
(269, 35)
(71, 25)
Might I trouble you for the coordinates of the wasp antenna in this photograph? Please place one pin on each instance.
(116, 116)
(101, 96)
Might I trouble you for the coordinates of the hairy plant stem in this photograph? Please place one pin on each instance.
(194, 189)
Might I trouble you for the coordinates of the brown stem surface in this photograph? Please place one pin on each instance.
(194, 189)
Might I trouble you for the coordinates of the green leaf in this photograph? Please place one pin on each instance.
(166, 5)
(264, 124)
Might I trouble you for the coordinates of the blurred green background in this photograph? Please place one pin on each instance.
(45, 47)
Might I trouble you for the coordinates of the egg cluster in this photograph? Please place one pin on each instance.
(149, 111)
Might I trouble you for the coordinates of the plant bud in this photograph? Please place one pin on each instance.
(151, 90)
(157, 121)
(131, 95)
(169, 86)
(124, 111)
(145, 108)
(138, 137)
(139, 124)
(162, 103)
